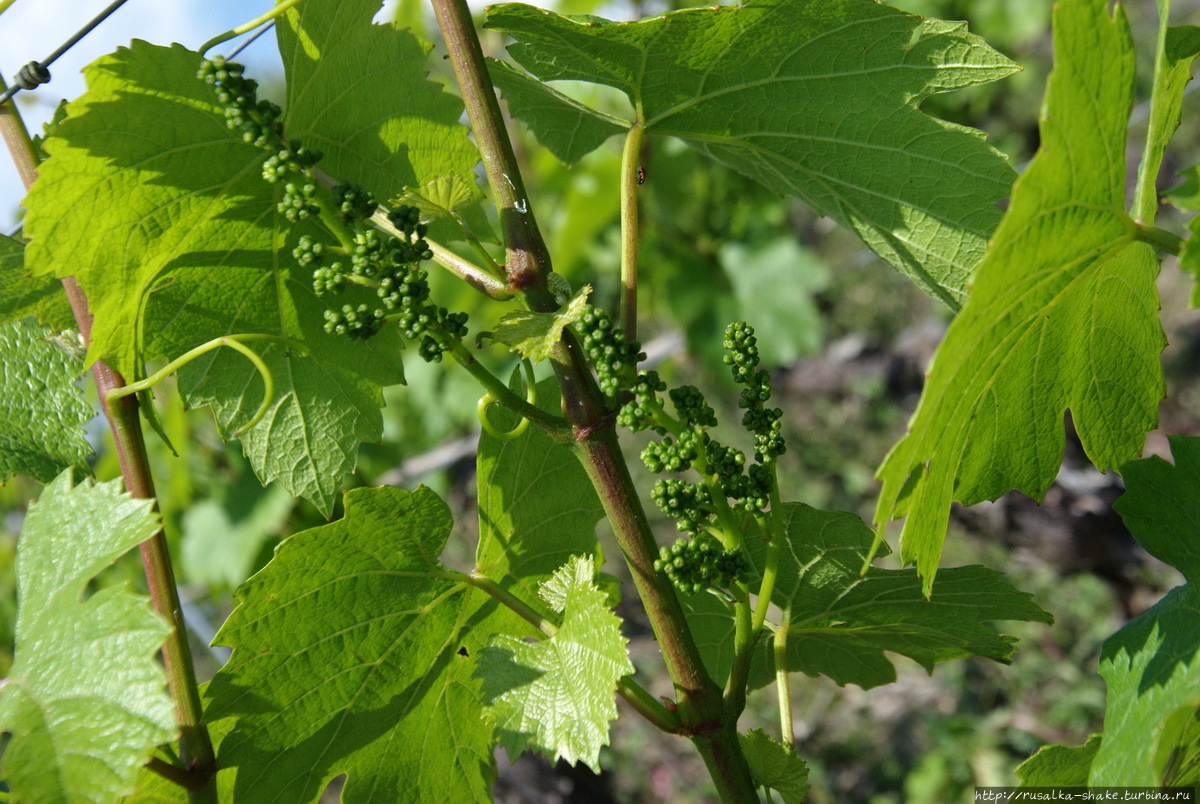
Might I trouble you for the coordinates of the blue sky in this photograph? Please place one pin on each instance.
(32, 29)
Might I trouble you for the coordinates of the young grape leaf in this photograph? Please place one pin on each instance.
(346, 660)
(177, 224)
(44, 412)
(776, 90)
(1059, 765)
(557, 696)
(1152, 665)
(532, 335)
(567, 128)
(1063, 313)
(842, 621)
(357, 91)
(774, 765)
(85, 700)
(22, 295)
(441, 196)
(537, 509)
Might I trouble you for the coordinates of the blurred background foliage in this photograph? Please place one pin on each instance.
(848, 340)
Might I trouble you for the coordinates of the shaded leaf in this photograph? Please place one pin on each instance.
(842, 623)
(44, 412)
(1161, 505)
(85, 700)
(1152, 665)
(567, 128)
(537, 509)
(1063, 313)
(775, 89)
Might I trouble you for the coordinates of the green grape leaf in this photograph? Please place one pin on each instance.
(1187, 196)
(558, 695)
(346, 660)
(180, 228)
(841, 622)
(532, 335)
(1063, 313)
(357, 91)
(1178, 46)
(85, 700)
(776, 90)
(1152, 669)
(44, 412)
(1161, 506)
(566, 127)
(1152, 665)
(1059, 765)
(774, 765)
(537, 509)
(22, 295)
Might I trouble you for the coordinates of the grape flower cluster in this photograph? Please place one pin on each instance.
(364, 256)
(700, 563)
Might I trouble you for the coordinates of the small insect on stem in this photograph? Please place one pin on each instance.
(641, 175)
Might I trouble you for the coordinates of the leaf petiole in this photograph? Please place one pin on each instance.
(1161, 239)
(783, 683)
(248, 26)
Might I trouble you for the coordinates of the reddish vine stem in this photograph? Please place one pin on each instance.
(700, 705)
(196, 748)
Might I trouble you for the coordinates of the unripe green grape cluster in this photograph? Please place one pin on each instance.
(688, 504)
(765, 423)
(258, 122)
(613, 358)
(364, 257)
(700, 563)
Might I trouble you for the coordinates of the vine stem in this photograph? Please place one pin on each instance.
(700, 705)
(196, 751)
